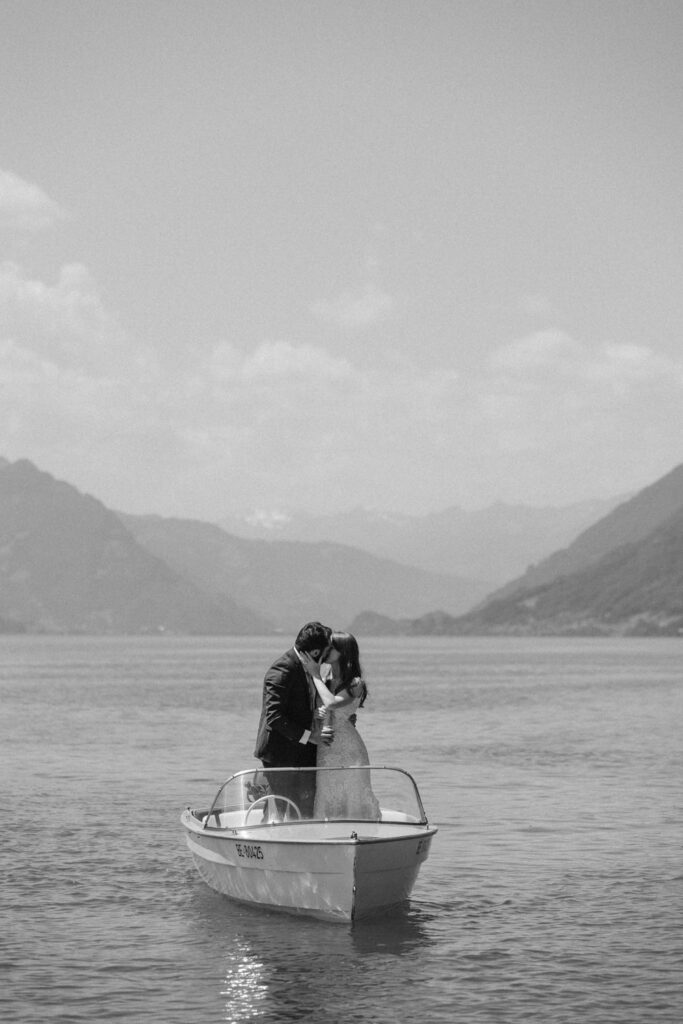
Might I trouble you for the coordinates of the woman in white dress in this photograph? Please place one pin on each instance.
(342, 690)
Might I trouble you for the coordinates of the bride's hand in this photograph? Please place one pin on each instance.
(310, 664)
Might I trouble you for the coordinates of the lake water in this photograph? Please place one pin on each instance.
(554, 889)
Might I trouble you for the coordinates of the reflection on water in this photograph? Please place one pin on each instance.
(275, 964)
(245, 987)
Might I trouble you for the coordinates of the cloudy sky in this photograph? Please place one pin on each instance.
(403, 254)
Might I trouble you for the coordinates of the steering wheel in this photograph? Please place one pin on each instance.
(264, 800)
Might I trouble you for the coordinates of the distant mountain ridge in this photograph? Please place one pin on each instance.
(491, 545)
(622, 576)
(628, 523)
(636, 590)
(68, 565)
(292, 582)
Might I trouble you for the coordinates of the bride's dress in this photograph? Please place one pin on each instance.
(344, 794)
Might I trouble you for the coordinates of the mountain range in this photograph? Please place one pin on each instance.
(492, 545)
(68, 564)
(292, 582)
(621, 576)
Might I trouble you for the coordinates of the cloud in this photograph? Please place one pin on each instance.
(556, 356)
(356, 310)
(26, 206)
(591, 413)
(547, 417)
(65, 320)
(71, 380)
(541, 349)
(280, 360)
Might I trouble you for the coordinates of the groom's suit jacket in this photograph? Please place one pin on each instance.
(286, 714)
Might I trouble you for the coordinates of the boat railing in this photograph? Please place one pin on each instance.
(276, 796)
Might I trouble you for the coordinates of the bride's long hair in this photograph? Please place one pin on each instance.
(349, 661)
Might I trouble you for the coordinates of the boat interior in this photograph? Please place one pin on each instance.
(256, 798)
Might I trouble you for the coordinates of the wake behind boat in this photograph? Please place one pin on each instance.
(259, 842)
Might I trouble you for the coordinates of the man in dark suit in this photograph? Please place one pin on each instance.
(286, 723)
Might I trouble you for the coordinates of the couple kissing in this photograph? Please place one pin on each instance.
(310, 698)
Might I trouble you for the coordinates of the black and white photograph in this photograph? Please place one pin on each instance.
(341, 511)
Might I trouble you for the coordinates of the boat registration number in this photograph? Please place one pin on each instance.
(249, 851)
(422, 846)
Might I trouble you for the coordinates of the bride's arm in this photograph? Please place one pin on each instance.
(328, 699)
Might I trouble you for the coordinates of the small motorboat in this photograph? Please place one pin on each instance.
(259, 842)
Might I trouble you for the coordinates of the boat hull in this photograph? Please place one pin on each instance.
(329, 870)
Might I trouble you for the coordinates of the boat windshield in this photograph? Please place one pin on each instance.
(277, 795)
